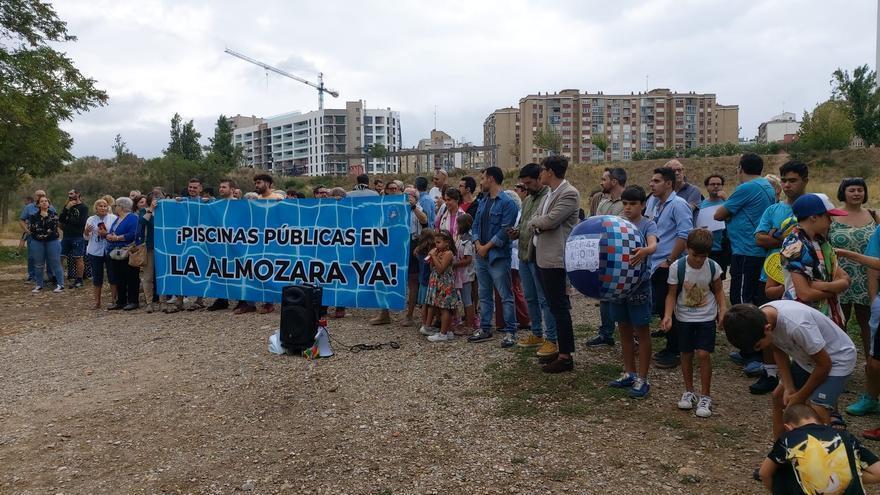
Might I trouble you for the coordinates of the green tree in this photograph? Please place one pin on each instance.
(184, 140)
(829, 127)
(862, 98)
(221, 150)
(39, 88)
(549, 140)
(600, 142)
(380, 151)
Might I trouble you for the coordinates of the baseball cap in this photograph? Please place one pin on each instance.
(814, 204)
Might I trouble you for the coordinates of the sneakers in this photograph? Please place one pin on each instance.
(864, 406)
(36, 289)
(688, 401)
(625, 380)
(427, 331)
(600, 341)
(640, 388)
(737, 358)
(58, 289)
(704, 407)
(753, 368)
(480, 335)
(873, 434)
(764, 385)
(530, 340)
(441, 337)
(78, 283)
(509, 340)
(665, 359)
(548, 348)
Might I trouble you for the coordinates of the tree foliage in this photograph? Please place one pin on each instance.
(861, 96)
(829, 127)
(184, 140)
(221, 151)
(548, 139)
(39, 87)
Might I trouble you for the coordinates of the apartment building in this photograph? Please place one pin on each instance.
(658, 119)
(501, 128)
(781, 128)
(312, 143)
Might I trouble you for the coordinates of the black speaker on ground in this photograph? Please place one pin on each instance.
(300, 311)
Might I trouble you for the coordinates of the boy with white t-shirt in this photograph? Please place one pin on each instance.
(695, 302)
(815, 357)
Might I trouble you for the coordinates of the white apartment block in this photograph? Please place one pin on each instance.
(305, 143)
(780, 128)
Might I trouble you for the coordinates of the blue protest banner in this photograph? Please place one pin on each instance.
(357, 249)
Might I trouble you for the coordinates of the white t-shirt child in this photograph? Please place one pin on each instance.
(802, 331)
(696, 301)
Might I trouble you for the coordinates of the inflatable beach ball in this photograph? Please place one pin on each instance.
(597, 257)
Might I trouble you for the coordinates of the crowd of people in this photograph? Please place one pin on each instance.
(485, 259)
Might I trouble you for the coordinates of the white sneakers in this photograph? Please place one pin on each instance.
(58, 289)
(427, 331)
(689, 401)
(704, 407)
(442, 337)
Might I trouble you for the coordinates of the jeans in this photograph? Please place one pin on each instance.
(606, 328)
(519, 303)
(660, 288)
(47, 253)
(538, 308)
(745, 280)
(556, 293)
(495, 275)
(31, 272)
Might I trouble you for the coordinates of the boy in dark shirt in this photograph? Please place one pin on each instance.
(813, 458)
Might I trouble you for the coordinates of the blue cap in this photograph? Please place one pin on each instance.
(814, 204)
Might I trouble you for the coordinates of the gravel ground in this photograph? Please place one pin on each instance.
(112, 402)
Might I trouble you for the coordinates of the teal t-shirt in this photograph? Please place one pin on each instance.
(772, 220)
(746, 206)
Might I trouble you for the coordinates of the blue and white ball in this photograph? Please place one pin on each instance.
(597, 256)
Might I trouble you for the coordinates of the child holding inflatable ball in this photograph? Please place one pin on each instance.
(633, 314)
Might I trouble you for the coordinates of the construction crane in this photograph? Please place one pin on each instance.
(320, 86)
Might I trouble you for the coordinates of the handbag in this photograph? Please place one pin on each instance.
(137, 255)
(120, 253)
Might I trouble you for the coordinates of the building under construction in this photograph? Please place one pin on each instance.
(315, 143)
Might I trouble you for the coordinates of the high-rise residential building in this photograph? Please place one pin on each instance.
(313, 143)
(501, 129)
(658, 119)
(439, 141)
(781, 128)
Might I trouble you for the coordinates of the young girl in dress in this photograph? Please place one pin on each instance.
(424, 246)
(464, 272)
(441, 286)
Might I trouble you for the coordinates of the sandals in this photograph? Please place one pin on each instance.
(837, 421)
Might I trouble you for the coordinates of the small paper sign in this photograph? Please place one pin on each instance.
(582, 253)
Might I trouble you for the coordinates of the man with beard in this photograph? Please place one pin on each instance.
(613, 183)
(226, 190)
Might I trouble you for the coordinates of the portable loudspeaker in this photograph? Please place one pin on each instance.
(300, 311)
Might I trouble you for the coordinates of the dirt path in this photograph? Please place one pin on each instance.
(112, 402)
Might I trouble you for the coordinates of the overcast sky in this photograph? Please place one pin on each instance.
(157, 57)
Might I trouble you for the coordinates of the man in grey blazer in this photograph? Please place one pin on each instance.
(556, 216)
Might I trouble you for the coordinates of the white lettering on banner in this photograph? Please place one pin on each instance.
(582, 253)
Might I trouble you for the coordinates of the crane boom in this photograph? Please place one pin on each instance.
(319, 86)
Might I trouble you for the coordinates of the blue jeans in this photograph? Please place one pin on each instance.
(533, 289)
(30, 255)
(606, 328)
(47, 253)
(496, 276)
